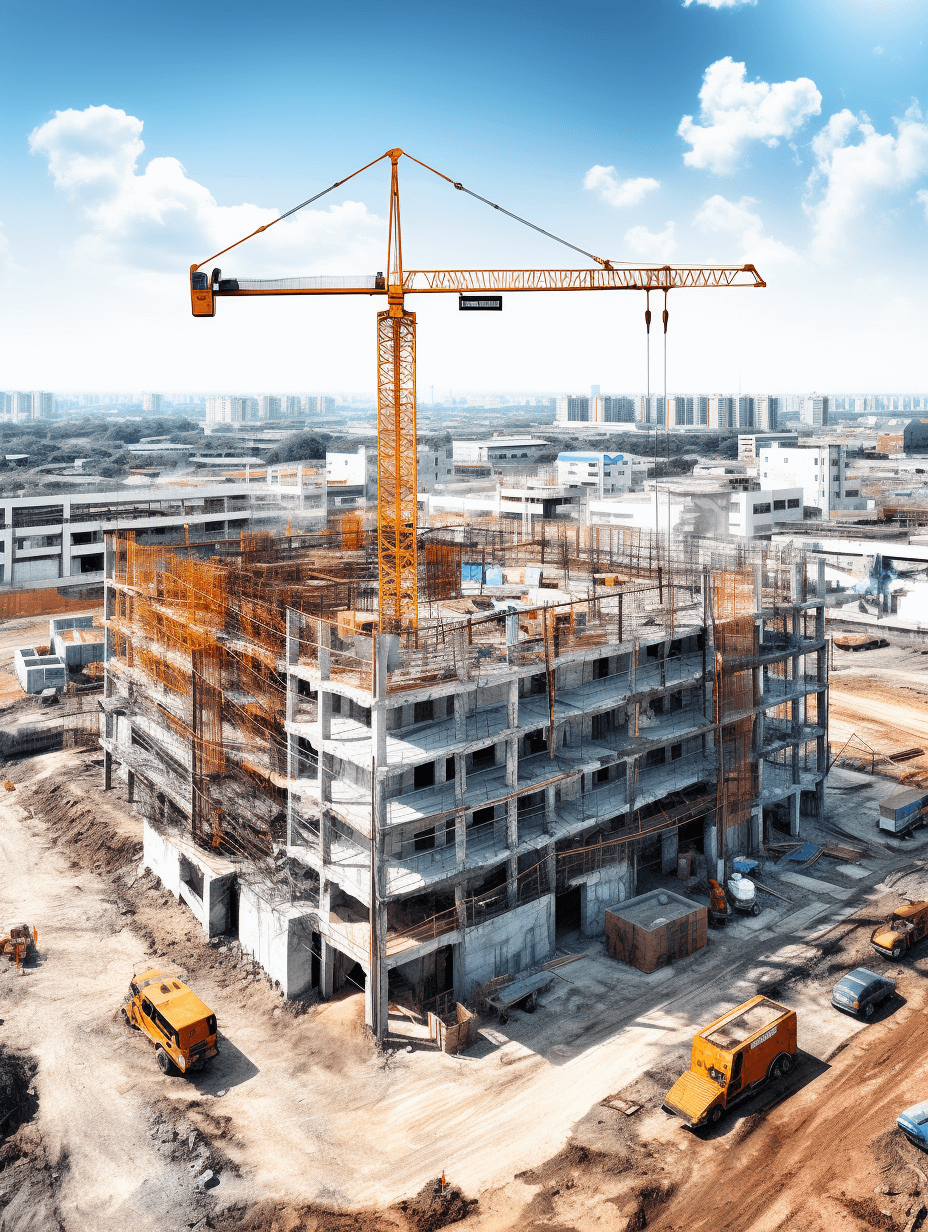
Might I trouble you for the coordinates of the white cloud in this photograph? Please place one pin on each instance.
(878, 50)
(735, 111)
(159, 218)
(651, 245)
(923, 198)
(746, 229)
(617, 192)
(718, 4)
(858, 176)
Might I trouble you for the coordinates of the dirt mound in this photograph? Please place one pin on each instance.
(435, 1207)
(16, 1073)
(282, 1217)
(80, 828)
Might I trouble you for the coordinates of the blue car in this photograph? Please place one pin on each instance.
(914, 1124)
(861, 991)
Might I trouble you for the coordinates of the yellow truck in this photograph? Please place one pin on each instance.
(181, 1027)
(731, 1057)
(902, 929)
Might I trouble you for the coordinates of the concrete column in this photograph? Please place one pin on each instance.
(710, 846)
(324, 647)
(670, 845)
(460, 778)
(512, 761)
(513, 704)
(460, 914)
(512, 881)
(107, 770)
(757, 828)
(130, 786)
(325, 839)
(512, 823)
(550, 802)
(379, 703)
(794, 814)
(460, 837)
(326, 969)
(551, 867)
(460, 716)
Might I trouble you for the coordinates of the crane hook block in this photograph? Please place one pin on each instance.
(666, 319)
(202, 300)
(647, 319)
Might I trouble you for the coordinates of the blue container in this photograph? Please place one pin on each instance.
(494, 575)
(471, 571)
(741, 864)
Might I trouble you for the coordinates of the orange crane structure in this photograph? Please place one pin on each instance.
(396, 350)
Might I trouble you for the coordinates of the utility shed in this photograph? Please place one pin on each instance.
(652, 930)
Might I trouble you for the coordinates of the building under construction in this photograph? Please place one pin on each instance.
(415, 809)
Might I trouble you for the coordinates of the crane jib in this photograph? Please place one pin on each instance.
(488, 282)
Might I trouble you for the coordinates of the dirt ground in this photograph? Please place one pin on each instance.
(304, 1124)
(881, 697)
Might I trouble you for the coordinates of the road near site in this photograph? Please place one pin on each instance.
(303, 1123)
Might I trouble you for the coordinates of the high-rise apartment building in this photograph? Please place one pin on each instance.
(814, 410)
(293, 406)
(270, 407)
(152, 403)
(38, 404)
(231, 410)
(573, 408)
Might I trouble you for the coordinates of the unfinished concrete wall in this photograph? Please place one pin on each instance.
(202, 881)
(600, 890)
(279, 937)
(506, 945)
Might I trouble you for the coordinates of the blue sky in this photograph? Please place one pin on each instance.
(137, 139)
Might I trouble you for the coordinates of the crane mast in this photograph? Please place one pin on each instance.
(397, 555)
(396, 353)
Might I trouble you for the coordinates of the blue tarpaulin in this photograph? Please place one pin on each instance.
(799, 854)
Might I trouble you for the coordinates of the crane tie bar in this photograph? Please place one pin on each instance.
(509, 214)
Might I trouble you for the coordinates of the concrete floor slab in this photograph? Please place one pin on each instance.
(852, 870)
(817, 886)
(799, 919)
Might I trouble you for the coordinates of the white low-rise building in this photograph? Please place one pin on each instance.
(603, 473)
(720, 511)
(518, 451)
(818, 469)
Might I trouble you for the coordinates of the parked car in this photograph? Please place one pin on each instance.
(861, 991)
(914, 1124)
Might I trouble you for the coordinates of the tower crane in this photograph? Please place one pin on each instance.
(396, 349)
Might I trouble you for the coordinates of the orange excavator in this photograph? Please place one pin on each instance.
(396, 347)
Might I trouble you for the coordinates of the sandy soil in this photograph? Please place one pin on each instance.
(305, 1124)
(879, 698)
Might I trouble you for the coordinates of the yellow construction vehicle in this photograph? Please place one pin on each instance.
(181, 1027)
(733, 1055)
(18, 944)
(902, 929)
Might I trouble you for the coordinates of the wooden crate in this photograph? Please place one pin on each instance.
(648, 933)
